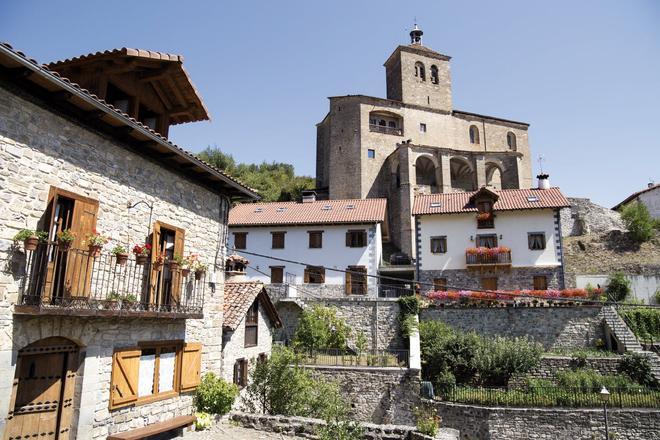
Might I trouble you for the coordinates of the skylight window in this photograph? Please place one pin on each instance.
(436, 204)
(259, 210)
(532, 199)
(326, 208)
(350, 206)
(280, 210)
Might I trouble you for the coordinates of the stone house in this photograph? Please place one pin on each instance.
(415, 142)
(294, 245)
(96, 343)
(249, 321)
(649, 197)
(508, 239)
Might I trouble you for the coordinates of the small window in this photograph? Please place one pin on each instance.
(474, 134)
(391, 124)
(422, 128)
(315, 275)
(489, 283)
(420, 72)
(511, 141)
(240, 240)
(540, 282)
(436, 204)
(371, 154)
(252, 324)
(276, 274)
(356, 280)
(241, 372)
(434, 74)
(278, 240)
(438, 245)
(439, 284)
(315, 239)
(487, 240)
(536, 240)
(356, 239)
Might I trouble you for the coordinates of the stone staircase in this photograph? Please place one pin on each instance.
(627, 340)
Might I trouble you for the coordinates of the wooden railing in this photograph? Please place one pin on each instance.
(487, 258)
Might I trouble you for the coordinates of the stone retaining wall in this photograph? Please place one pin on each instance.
(554, 327)
(550, 365)
(482, 423)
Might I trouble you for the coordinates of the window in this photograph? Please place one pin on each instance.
(315, 239)
(540, 282)
(241, 372)
(489, 283)
(434, 74)
(278, 240)
(314, 275)
(485, 218)
(422, 128)
(419, 71)
(371, 153)
(240, 240)
(276, 274)
(438, 245)
(536, 240)
(262, 357)
(474, 134)
(356, 238)
(252, 324)
(487, 240)
(440, 284)
(356, 280)
(153, 371)
(511, 141)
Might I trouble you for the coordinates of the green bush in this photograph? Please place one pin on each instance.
(320, 329)
(638, 221)
(445, 382)
(214, 395)
(618, 287)
(644, 322)
(638, 368)
(408, 312)
(428, 421)
(588, 379)
(338, 425)
(444, 349)
(656, 296)
(409, 305)
(497, 359)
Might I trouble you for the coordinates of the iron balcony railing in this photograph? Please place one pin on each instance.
(385, 130)
(487, 258)
(75, 281)
(336, 357)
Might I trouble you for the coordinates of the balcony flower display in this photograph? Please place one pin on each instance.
(488, 251)
(199, 268)
(30, 238)
(141, 252)
(121, 254)
(175, 263)
(483, 216)
(186, 264)
(95, 243)
(464, 296)
(64, 239)
(159, 260)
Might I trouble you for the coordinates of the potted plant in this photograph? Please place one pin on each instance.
(175, 263)
(185, 265)
(199, 268)
(64, 239)
(159, 261)
(30, 238)
(95, 243)
(128, 301)
(113, 299)
(121, 254)
(141, 252)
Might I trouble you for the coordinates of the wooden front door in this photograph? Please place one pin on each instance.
(41, 404)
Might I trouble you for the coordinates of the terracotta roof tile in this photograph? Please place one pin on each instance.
(321, 212)
(509, 200)
(239, 296)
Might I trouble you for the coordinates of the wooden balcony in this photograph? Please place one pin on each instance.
(488, 258)
(385, 130)
(75, 282)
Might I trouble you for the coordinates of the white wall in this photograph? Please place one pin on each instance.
(643, 287)
(652, 201)
(333, 254)
(513, 226)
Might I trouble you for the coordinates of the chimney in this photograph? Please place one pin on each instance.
(235, 269)
(544, 181)
(651, 184)
(308, 196)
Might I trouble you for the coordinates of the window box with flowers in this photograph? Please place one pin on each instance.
(499, 255)
(142, 252)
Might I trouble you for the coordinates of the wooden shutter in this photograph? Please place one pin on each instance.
(155, 251)
(306, 280)
(244, 372)
(179, 237)
(79, 266)
(191, 366)
(348, 239)
(124, 379)
(349, 280)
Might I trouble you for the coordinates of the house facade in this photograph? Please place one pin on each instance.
(493, 240)
(649, 197)
(99, 342)
(293, 246)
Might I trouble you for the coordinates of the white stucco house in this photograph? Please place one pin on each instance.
(649, 197)
(490, 239)
(298, 245)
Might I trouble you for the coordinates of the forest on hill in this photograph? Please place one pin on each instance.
(275, 182)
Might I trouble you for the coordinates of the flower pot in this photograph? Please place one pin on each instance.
(94, 250)
(185, 272)
(121, 259)
(140, 259)
(199, 274)
(174, 266)
(63, 246)
(31, 243)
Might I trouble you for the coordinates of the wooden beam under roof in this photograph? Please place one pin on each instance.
(157, 74)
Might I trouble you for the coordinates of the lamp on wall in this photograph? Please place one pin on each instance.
(471, 237)
(500, 236)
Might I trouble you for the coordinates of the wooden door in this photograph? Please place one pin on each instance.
(80, 264)
(177, 278)
(489, 283)
(41, 404)
(155, 270)
(165, 285)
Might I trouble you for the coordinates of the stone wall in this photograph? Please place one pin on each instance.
(551, 365)
(554, 327)
(377, 395)
(483, 423)
(378, 319)
(585, 217)
(513, 279)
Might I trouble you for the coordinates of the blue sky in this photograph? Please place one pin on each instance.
(585, 74)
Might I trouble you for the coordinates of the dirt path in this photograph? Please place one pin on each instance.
(227, 431)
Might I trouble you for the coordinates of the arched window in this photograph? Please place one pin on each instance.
(511, 141)
(434, 74)
(474, 134)
(419, 71)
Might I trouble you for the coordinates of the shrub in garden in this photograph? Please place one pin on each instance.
(618, 287)
(638, 368)
(591, 380)
(214, 395)
(638, 221)
(409, 309)
(497, 359)
(444, 349)
(319, 328)
(428, 421)
(644, 322)
(338, 425)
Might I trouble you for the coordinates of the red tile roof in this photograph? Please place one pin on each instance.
(509, 200)
(239, 296)
(635, 195)
(321, 212)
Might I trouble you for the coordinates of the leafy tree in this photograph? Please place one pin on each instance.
(618, 287)
(274, 181)
(319, 328)
(638, 221)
